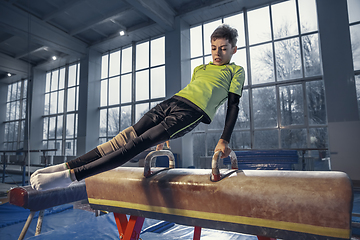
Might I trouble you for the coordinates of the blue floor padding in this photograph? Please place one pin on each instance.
(54, 218)
(356, 209)
(11, 214)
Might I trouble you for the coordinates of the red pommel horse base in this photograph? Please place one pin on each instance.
(266, 203)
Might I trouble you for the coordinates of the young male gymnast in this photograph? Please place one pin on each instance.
(210, 86)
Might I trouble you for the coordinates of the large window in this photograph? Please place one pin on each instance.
(132, 81)
(61, 110)
(16, 106)
(354, 21)
(283, 101)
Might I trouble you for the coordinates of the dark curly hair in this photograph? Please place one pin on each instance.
(227, 32)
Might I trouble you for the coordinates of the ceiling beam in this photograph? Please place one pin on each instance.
(116, 36)
(18, 22)
(63, 8)
(98, 20)
(6, 37)
(157, 10)
(14, 66)
(30, 51)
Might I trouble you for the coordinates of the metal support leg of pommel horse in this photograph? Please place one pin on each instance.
(130, 229)
(28, 222)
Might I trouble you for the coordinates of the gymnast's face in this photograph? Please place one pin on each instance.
(221, 51)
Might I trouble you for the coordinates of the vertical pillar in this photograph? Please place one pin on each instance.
(340, 89)
(3, 94)
(89, 102)
(177, 61)
(36, 99)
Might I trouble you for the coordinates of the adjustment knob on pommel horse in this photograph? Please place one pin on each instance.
(270, 204)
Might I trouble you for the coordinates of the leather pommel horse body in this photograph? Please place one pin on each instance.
(276, 204)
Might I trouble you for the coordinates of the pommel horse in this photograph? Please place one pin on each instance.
(267, 203)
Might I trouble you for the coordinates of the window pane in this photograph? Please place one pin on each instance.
(103, 120)
(288, 60)
(284, 19)
(47, 83)
(62, 78)
(219, 119)
(140, 110)
(22, 129)
(198, 148)
(357, 81)
(61, 102)
(142, 85)
(72, 76)
(311, 53)
(58, 147)
(291, 105)
(18, 93)
(114, 64)
(13, 92)
(114, 90)
(7, 131)
(196, 41)
(125, 117)
(104, 66)
(17, 110)
(262, 64)
(240, 140)
(53, 102)
(78, 75)
(59, 126)
(12, 112)
(9, 93)
(157, 82)
(142, 55)
(70, 126)
(47, 104)
(239, 58)
(316, 102)
(355, 45)
(319, 137)
(69, 149)
(54, 80)
(76, 126)
(293, 138)
(266, 139)
(25, 89)
(51, 145)
(113, 122)
(158, 51)
(353, 10)
(308, 16)
(237, 21)
(126, 60)
(126, 91)
(265, 113)
(243, 119)
(52, 123)
(45, 128)
(11, 131)
(259, 25)
(208, 30)
(24, 109)
(103, 100)
(71, 99)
